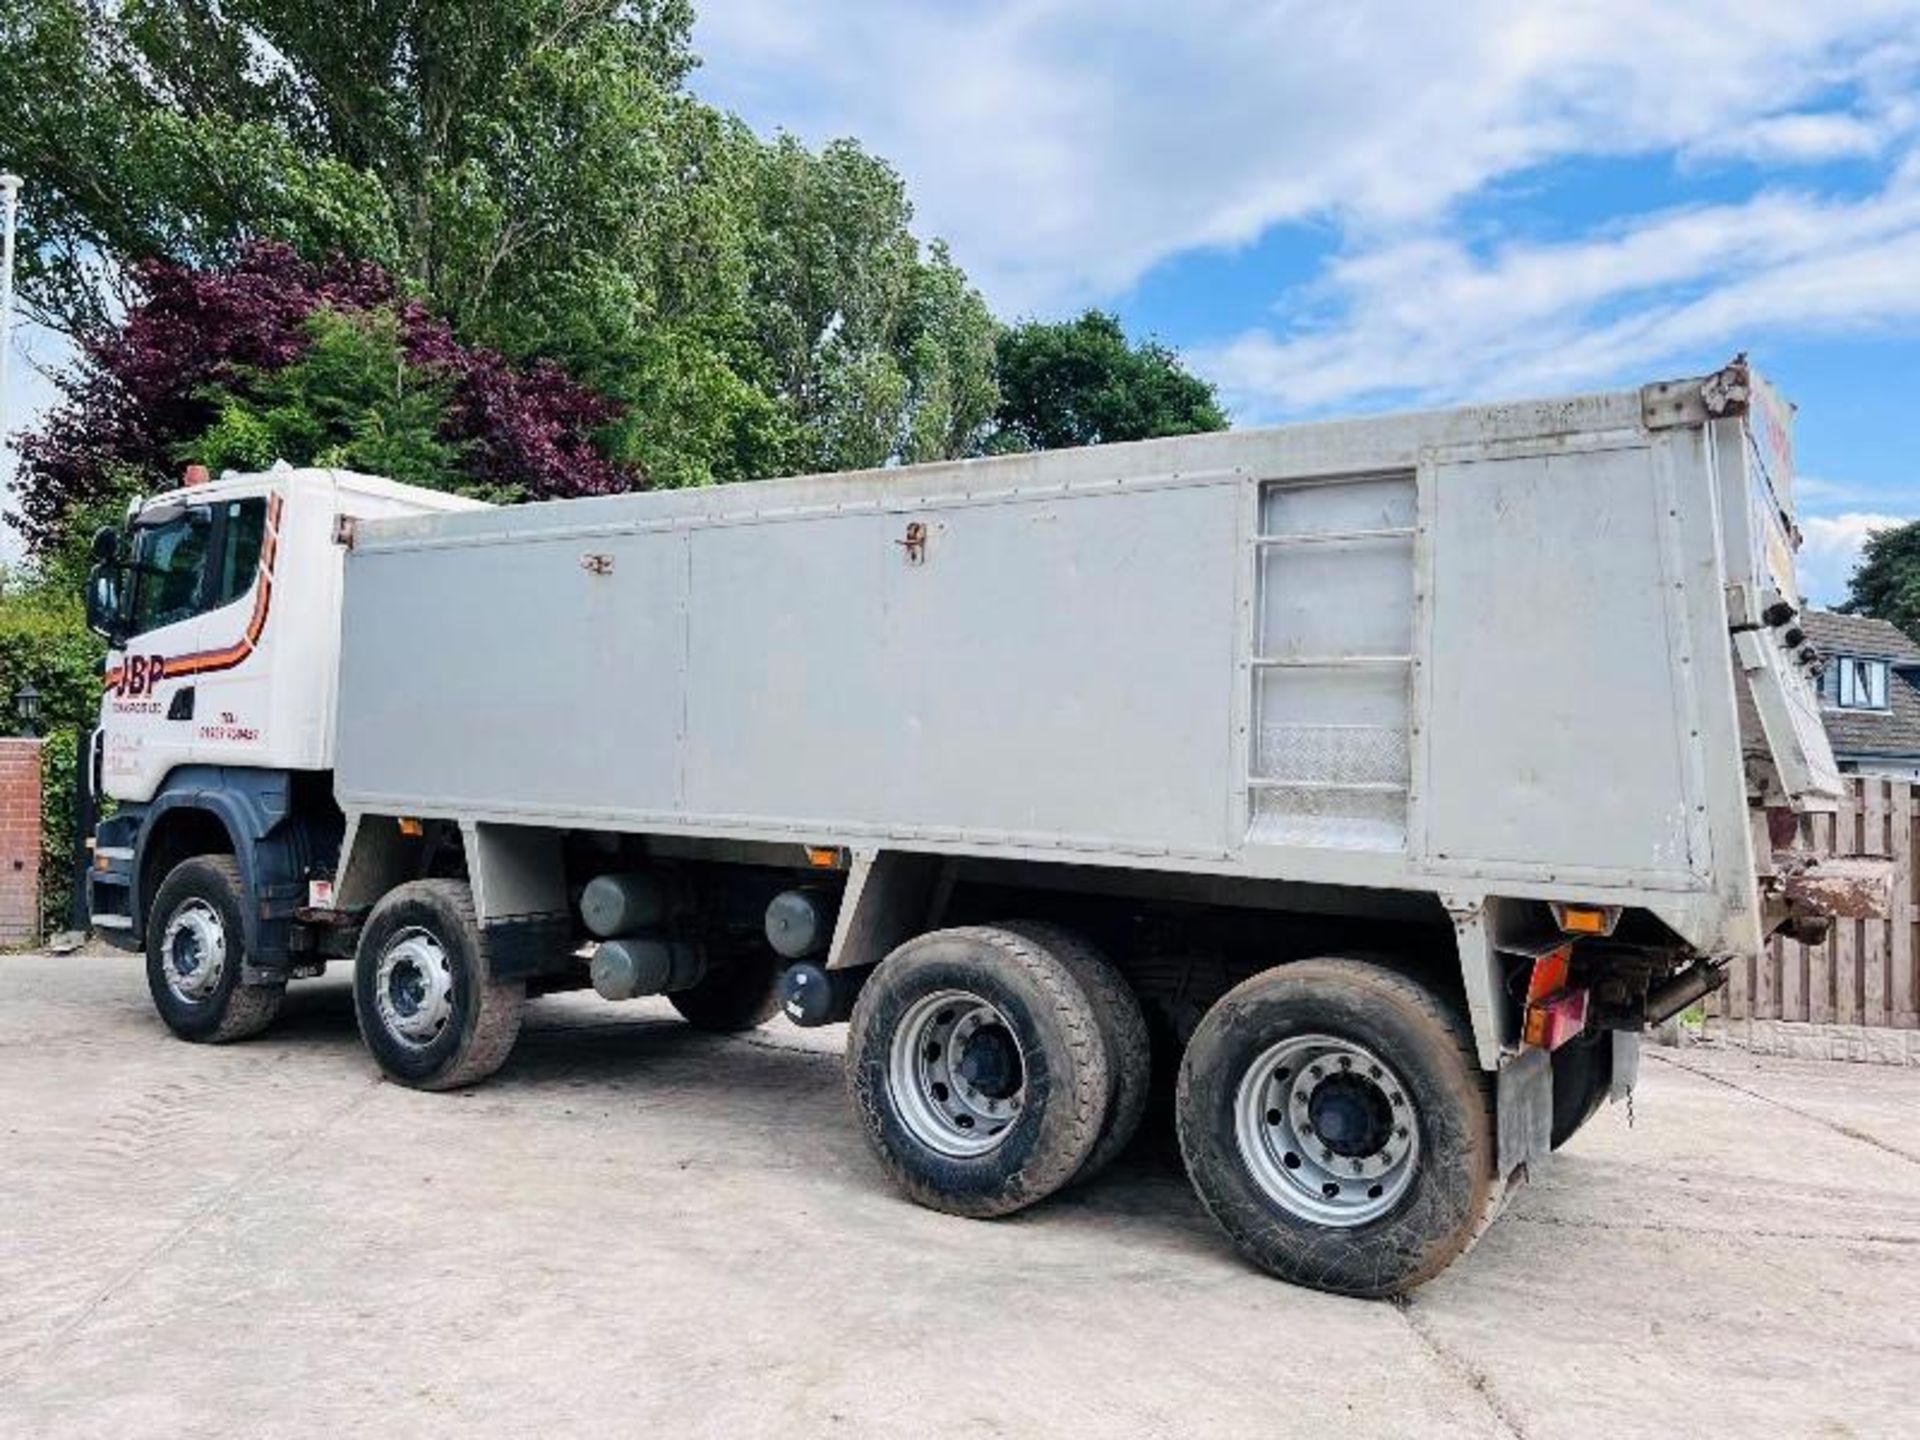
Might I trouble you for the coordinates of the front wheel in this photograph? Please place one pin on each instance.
(196, 950)
(1336, 1125)
(427, 1008)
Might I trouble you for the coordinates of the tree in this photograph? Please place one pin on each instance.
(273, 357)
(878, 353)
(475, 147)
(1886, 582)
(536, 174)
(44, 641)
(1080, 383)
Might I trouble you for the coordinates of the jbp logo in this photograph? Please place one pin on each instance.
(139, 674)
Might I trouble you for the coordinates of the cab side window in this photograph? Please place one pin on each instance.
(246, 529)
(170, 569)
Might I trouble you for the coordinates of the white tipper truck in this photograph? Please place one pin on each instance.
(1382, 780)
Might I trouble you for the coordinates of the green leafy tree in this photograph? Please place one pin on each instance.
(1079, 382)
(876, 353)
(351, 400)
(476, 146)
(44, 641)
(538, 173)
(1886, 582)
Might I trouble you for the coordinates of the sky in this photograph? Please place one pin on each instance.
(1333, 209)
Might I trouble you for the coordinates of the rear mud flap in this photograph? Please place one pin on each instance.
(1524, 1111)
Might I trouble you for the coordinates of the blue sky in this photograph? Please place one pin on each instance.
(1337, 208)
(1332, 209)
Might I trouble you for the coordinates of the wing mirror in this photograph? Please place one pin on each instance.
(104, 616)
(106, 545)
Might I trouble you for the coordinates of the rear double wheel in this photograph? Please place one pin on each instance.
(1336, 1124)
(979, 1067)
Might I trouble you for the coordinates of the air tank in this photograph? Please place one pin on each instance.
(614, 905)
(799, 923)
(625, 969)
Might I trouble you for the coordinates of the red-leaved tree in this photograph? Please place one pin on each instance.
(145, 388)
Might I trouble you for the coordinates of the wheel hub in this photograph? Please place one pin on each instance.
(989, 1063)
(1352, 1115)
(193, 951)
(413, 987)
(1327, 1130)
(957, 1073)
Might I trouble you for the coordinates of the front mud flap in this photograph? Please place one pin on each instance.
(1524, 1110)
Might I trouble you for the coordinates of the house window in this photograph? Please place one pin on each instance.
(1863, 683)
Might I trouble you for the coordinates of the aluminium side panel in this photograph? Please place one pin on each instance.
(1038, 670)
(1049, 671)
(511, 677)
(1558, 675)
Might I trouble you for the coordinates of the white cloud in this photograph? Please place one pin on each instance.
(1830, 548)
(1424, 317)
(1066, 146)
(1806, 137)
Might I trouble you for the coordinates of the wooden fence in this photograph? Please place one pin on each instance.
(1868, 971)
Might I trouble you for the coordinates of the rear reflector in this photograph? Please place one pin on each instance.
(1553, 1022)
(1549, 973)
(1585, 919)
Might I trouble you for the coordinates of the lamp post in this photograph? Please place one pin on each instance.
(9, 206)
(26, 708)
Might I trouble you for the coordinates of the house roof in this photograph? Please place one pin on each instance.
(1859, 635)
(1893, 731)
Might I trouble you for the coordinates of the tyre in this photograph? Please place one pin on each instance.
(976, 1061)
(426, 1008)
(196, 950)
(740, 992)
(1582, 1080)
(1335, 1123)
(1123, 1028)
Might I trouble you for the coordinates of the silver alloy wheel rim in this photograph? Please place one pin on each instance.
(413, 987)
(193, 951)
(937, 1098)
(1339, 1181)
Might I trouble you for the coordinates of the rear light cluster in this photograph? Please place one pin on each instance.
(1555, 1013)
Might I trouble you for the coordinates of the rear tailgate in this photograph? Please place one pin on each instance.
(1779, 666)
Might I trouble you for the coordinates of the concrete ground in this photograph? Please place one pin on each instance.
(638, 1228)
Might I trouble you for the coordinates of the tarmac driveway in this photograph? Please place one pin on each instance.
(636, 1228)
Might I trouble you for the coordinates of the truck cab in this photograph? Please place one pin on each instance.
(220, 604)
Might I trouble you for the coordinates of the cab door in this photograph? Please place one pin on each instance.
(226, 680)
(148, 729)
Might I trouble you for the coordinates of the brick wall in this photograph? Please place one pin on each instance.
(19, 841)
